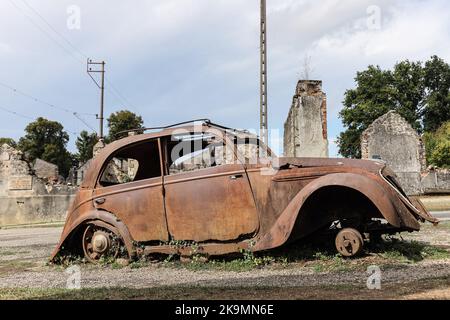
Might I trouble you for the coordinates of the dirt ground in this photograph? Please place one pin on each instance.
(422, 271)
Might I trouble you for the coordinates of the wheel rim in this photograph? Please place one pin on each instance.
(99, 242)
(349, 242)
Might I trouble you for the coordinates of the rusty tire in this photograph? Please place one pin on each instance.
(349, 242)
(100, 241)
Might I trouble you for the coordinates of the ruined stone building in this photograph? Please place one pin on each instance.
(305, 129)
(392, 139)
(30, 193)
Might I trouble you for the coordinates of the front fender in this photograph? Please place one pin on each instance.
(100, 215)
(368, 186)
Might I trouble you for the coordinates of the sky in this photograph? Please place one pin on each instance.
(176, 60)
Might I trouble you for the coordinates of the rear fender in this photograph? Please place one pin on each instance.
(367, 186)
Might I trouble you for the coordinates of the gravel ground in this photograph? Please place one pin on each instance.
(24, 253)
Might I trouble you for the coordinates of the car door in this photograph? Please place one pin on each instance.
(207, 197)
(131, 187)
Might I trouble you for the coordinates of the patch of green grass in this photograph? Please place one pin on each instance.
(329, 263)
(138, 264)
(7, 253)
(409, 251)
(13, 266)
(246, 261)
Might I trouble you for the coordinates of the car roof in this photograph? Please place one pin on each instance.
(98, 161)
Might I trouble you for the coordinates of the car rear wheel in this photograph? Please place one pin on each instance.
(349, 242)
(100, 242)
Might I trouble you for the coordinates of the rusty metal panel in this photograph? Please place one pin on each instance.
(139, 205)
(210, 204)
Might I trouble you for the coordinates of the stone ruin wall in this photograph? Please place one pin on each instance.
(392, 139)
(26, 194)
(305, 129)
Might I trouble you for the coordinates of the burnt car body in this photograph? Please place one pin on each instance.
(141, 191)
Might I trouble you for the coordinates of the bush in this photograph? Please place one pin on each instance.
(437, 146)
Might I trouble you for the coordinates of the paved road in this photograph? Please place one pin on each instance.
(442, 215)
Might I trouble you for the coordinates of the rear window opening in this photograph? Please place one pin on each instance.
(134, 163)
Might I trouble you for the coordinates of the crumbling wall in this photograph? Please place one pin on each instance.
(25, 197)
(45, 170)
(305, 129)
(436, 181)
(392, 139)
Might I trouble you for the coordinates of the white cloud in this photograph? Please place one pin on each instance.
(180, 59)
(409, 30)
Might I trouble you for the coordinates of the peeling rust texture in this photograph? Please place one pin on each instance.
(225, 207)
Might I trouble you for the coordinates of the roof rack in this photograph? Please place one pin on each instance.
(207, 122)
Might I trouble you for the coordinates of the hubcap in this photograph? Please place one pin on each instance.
(100, 242)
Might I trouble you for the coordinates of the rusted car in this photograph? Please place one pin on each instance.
(206, 189)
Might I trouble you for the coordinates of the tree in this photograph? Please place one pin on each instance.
(85, 146)
(121, 121)
(8, 141)
(437, 82)
(47, 140)
(437, 146)
(419, 93)
(373, 97)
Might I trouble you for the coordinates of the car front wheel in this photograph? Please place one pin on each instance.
(100, 242)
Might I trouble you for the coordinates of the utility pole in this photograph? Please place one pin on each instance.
(92, 67)
(263, 76)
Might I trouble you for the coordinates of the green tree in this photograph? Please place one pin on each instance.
(437, 145)
(372, 97)
(85, 146)
(437, 83)
(121, 121)
(419, 93)
(47, 140)
(8, 141)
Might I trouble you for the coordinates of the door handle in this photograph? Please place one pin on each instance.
(236, 176)
(100, 200)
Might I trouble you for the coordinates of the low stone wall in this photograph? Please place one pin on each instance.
(26, 197)
(436, 181)
(34, 209)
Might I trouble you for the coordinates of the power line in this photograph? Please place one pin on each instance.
(54, 30)
(29, 96)
(43, 31)
(77, 115)
(16, 113)
(114, 91)
(118, 94)
(30, 118)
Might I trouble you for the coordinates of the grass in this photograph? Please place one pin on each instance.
(7, 253)
(409, 251)
(13, 266)
(318, 257)
(424, 288)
